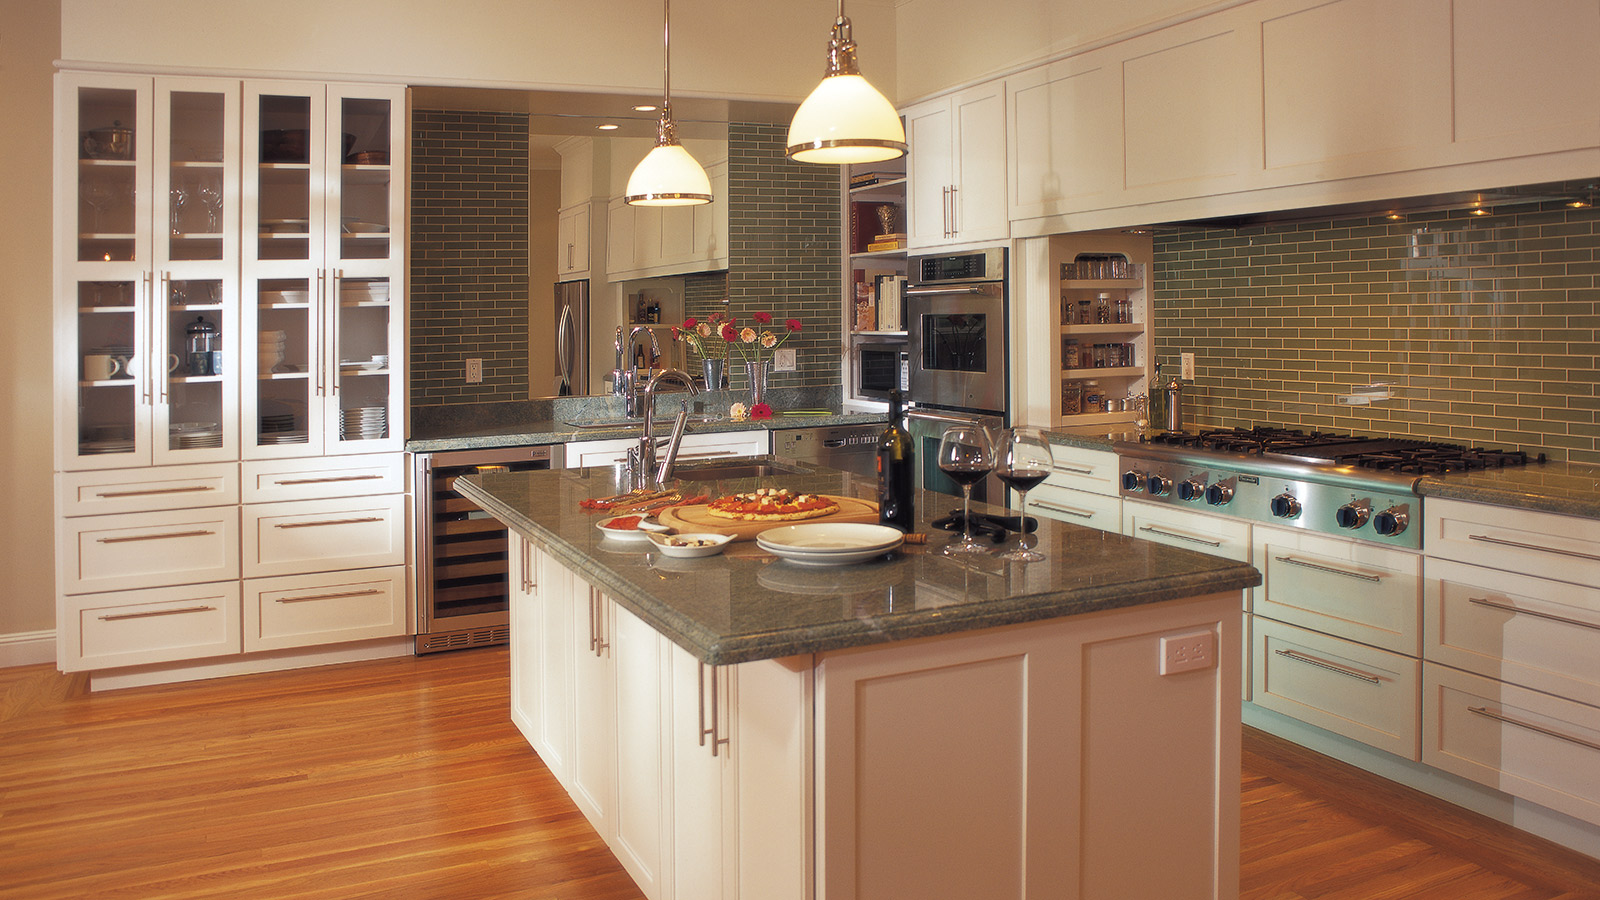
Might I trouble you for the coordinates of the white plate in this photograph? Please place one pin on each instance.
(830, 537)
(629, 534)
(712, 544)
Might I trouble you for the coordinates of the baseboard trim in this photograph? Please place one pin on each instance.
(27, 648)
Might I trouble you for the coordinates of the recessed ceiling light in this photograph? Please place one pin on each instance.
(606, 127)
(1394, 217)
(646, 107)
(1578, 204)
(1479, 211)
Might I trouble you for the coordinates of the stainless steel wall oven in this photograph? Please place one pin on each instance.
(956, 313)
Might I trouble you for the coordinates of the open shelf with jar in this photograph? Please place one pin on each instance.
(873, 197)
(1102, 316)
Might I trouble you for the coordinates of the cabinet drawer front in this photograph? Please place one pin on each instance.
(324, 535)
(1529, 631)
(1083, 470)
(1363, 693)
(303, 610)
(1517, 540)
(1192, 531)
(267, 481)
(147, 490)
(1528, 744)
(1077, 507)
(1346, 588)
(138, 550)
(132, 628)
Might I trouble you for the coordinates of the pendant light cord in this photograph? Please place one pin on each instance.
(666, 51)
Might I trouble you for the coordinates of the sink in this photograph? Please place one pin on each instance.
(733, 468)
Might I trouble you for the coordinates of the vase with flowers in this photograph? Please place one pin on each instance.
(705, 339)
(750, 345)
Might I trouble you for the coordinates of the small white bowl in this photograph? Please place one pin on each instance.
(689, 546)
(640, 533)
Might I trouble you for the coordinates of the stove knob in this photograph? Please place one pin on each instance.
(1191, 490)
(1132, 481)
(1352, 515)
(1285, 506)
(1159, 485)
(1391, 521)
(1219, 494)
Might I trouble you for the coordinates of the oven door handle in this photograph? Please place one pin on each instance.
(950, 418)
(928, 292)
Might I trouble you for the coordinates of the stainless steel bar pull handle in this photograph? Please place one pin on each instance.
(1062, 509)
(1329, 569)
(126, 539)
(330, 479)
(1331, 667)
(714, 732)
(1182, 537)
(117, 617)
(601, 645)
(1075, 471)
(1512, 608)
(1521, 546)
(1549, 732)
(151, 492)
(355, 521)
(340, 595)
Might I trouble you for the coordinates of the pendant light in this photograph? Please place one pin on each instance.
(668, 175)
(845, 120)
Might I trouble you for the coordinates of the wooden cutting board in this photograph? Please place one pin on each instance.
(696, 519)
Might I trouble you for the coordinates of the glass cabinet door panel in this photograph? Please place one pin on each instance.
(287, 129)
(365, 185)
(113, 393)
(194, 418)
(363, 383)
(193, 180)
(284, 358)
(109, 149)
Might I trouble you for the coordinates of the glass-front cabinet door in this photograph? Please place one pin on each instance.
(321, 265)
(147, 173)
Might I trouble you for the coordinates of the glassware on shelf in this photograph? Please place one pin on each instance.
(1022, 461)
(966, 455)
(211, 202)
(179, 197)
(99, 195)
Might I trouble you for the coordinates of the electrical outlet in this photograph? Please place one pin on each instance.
(474, 371)
(1186, 360)
(783, 359)
(1188, 652)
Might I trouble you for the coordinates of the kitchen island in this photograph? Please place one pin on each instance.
(912, 726)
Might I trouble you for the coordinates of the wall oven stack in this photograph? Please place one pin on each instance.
(956, 322)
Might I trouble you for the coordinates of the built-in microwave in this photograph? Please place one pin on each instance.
(881, 366)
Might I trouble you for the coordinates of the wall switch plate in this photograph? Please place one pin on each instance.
(474, 371)
(1187, 363)
(1188, 652)
(783, 359)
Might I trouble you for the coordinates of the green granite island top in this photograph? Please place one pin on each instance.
(742, 606)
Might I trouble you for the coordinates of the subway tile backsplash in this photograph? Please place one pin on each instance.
(1487, 327)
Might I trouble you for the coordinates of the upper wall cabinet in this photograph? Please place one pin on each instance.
(647, 241)
(1304, 97)
(956, 168)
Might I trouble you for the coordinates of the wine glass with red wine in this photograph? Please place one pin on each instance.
(966, 455)
(1022, 460)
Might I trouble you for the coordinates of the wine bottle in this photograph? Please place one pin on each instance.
(896, 471)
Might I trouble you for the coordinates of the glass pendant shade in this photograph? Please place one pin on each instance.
(846, 120)
(668, 176)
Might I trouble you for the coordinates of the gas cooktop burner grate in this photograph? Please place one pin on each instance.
(1398, 455)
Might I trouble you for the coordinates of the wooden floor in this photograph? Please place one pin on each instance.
(404, 778)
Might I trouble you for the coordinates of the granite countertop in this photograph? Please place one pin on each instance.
(1571, 489)
(746, 605)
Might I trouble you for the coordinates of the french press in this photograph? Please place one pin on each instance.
(205, 348)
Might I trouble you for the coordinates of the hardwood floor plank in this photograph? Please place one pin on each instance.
(405, 778)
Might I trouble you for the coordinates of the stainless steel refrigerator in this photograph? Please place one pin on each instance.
(572, 338)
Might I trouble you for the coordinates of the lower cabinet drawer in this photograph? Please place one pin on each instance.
(1164, 524)
(1352, 589)
(156, 625)
(303, 610)
(1528, 744)
(1078, 507)
(147, 489)
(305, 536)
(1361, 692)
(317, 478)
(154, 549)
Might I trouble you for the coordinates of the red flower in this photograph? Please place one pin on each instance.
(792, 324)
(690, 323)
(729, 334)
(676, 332)
(762, 318)
(760, 411)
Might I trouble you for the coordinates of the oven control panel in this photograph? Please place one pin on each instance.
(1355, 508)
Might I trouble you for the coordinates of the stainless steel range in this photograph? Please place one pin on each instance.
(1336, 484)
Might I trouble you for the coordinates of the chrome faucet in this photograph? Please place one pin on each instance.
(625, 378)
(642, 459)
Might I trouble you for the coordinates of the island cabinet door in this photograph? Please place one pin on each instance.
(1044, 760)
(704, 810)
(546, 604)
(640, 666)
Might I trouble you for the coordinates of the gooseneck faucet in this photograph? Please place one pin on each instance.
(643, 457)
(625, 377)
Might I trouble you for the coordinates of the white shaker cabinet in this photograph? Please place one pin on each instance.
(956, 168)
(572, 242)
(324, 269)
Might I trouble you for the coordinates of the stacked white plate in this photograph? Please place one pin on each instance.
(95, 448)
(363, 423)
(829, 544)
(269, 350)
(356, 292)
(279, 429)
(195, 435)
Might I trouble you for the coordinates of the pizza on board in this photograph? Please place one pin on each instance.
(771, 505)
